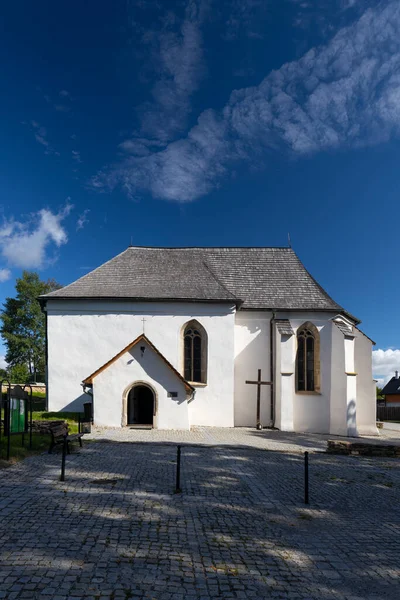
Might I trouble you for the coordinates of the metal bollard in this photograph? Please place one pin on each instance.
(178, 471)
(306, 500)
(64, 453)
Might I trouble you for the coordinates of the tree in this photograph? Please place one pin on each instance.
(23, 323)
(379, 393)
(18, 374)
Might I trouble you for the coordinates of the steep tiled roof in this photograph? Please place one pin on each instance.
(260, 277)
(392, 387)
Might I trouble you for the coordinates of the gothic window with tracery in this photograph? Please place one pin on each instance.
(195, 352)
(307, 363)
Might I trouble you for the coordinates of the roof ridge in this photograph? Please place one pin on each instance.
(209, 248)
(219, 282)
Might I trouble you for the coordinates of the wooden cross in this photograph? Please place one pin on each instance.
(259, 383)
(143, 321)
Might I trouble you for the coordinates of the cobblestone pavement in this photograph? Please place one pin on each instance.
(239, 529)
(266, 439)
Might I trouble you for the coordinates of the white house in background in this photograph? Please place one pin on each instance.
(169, 337)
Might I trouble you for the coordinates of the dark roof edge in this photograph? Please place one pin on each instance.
(236, 301)
(365, 335)
(334, 311)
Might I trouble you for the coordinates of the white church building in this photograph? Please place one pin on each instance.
(178, 337)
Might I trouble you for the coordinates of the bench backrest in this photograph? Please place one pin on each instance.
(59, 430)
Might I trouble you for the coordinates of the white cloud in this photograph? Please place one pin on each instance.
(384, 364)
(40, 134)
(64, 94)
(3, 364)
(82, 220)
(177, 60)
(5, 275)
(25, 244)
(345, 94)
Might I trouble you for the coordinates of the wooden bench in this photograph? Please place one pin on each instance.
(59, 434)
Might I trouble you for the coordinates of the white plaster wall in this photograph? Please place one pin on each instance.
(284, 418)
(338, 393)
(297, 411)
(252, 352)
(352, 406)
(131, 367)
(366, 394)
(311, 412)
(83, 335)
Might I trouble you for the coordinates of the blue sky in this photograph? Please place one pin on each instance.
(206, 122)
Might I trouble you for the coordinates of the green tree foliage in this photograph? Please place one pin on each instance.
(19, 374)
(23, 323)
(379, 393)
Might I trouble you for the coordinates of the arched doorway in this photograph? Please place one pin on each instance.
(140, 405)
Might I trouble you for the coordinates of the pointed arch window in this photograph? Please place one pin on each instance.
(195, 352)
(307, 362)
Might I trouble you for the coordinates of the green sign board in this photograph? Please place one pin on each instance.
(16, 411)
(18, 415)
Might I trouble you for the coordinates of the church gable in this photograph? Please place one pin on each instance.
(144, 344)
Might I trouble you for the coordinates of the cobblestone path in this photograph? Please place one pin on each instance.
(267, 439)
(115, 529)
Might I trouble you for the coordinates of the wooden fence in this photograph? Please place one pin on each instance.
(388, 413)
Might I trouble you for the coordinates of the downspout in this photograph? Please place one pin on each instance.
(272, 366)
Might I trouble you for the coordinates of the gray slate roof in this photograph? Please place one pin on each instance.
(261, 278)
(284, 327)
(344, 327)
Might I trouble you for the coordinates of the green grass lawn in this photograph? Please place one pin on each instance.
(70, 417)
(40, 443)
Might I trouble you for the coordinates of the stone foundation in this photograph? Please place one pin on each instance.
(43, 427)
(362, 448)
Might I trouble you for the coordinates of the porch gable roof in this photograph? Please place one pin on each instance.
(140, 338)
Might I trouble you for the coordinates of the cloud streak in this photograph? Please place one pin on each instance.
(25, 244)
(82, 219)
(40, 134)
(345, 94)
(177, 59)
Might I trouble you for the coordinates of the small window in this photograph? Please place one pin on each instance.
(195, 353)
(307, 363)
